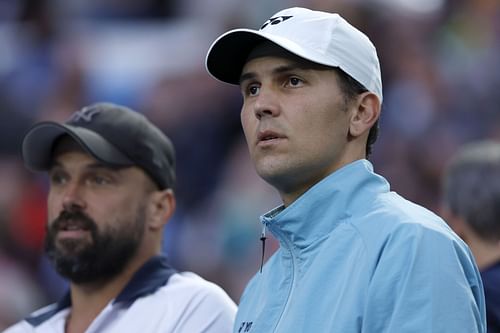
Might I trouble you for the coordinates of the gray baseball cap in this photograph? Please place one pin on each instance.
(113, 134)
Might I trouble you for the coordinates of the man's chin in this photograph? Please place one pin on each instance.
(77, 266)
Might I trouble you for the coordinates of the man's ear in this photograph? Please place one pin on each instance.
(161, 208)
(366, 113)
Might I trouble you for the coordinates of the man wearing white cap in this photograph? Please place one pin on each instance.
(353, 256)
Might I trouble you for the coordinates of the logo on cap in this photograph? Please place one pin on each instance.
(275, 20)
(86, 114)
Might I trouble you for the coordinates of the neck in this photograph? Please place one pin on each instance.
(89, 299)
(292, 192)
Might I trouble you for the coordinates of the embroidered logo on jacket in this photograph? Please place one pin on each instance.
(245, 326)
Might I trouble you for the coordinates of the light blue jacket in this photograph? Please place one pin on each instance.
(355, 257)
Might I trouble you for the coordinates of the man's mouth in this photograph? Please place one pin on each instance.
(72, 228)
(68, 227)
(268, 136)
(72, 231)
(72, 225)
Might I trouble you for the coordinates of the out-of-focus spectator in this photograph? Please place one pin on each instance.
(471, 205)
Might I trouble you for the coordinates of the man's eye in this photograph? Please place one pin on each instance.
(295, 81)
(253, 90)
(99, 180)
(57, 179)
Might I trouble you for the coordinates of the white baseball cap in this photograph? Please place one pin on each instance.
(320, 37)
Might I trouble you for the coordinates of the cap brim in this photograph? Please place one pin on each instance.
(38, 144)
(226, 57)
(228, 54)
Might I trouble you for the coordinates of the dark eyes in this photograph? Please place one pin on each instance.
(61, 178)
(57, 178)
(99, 180)
(295, 81)
(253, 89)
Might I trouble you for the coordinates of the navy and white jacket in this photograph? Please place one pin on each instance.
(156, 300)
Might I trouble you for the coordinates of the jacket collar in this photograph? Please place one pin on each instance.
(154, 274)
(325, 205)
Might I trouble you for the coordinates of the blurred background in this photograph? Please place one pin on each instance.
(441, 72)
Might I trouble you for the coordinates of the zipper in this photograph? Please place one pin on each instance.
(288, 246)
(263, 240)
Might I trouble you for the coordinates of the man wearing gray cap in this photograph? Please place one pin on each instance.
(111, 176)
(353, 256)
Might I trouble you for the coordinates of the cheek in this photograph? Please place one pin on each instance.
(124, 206)
(326, 125)
(54, 206)
(248, 123)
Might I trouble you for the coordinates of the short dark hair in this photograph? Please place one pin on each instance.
(351, 89)
(471, 187)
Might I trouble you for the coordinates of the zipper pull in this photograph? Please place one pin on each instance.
(263, 240)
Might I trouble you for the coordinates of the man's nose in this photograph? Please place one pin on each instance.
(73, 197)
(266, 104)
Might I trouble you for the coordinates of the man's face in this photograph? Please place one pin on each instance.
(296, 122)
(96, 215)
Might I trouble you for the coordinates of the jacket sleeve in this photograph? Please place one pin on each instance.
(424, 281)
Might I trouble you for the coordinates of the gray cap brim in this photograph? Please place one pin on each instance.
(38, 144)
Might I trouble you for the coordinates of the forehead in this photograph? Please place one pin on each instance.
(270, 54)
(68, 150)
(68, 153)
(277, 65)
(66, 144)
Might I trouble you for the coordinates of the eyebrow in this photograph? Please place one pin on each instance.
(294, 65)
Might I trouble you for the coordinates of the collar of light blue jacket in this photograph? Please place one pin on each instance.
(319, 210)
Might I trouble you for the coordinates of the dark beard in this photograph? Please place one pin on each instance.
(101, 259)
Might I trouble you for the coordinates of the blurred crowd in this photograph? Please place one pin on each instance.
(440, 64)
